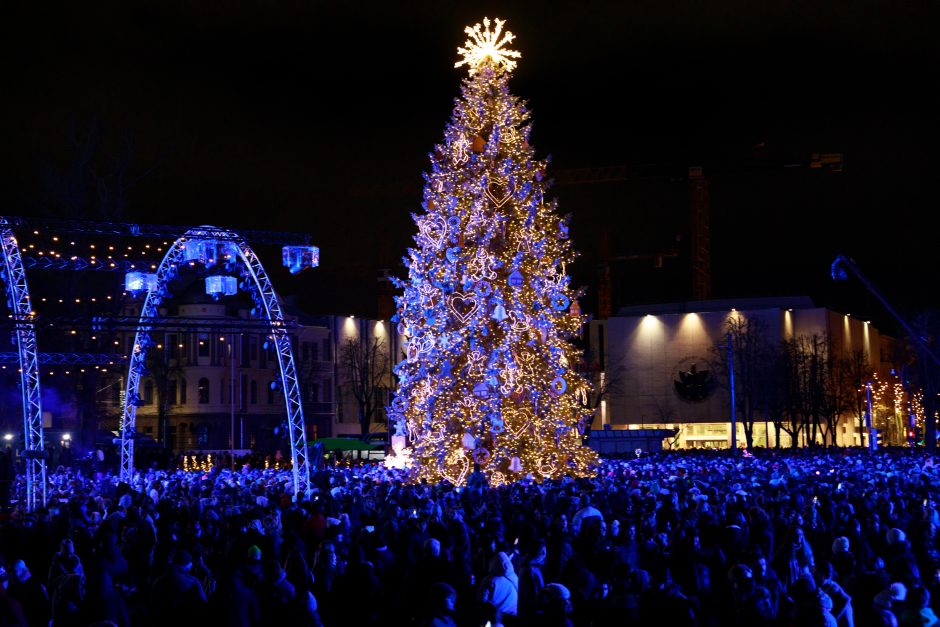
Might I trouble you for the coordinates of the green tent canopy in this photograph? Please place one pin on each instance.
(347, 444)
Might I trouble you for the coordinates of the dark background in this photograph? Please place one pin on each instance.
(318, 117)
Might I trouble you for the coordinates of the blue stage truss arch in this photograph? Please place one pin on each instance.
(17, 292)
(255, 281)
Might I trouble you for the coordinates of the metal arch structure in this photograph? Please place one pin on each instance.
(257, 282)
(25, 329)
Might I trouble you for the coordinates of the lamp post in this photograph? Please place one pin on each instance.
(871, 436)
(231, 398)
(734, 407)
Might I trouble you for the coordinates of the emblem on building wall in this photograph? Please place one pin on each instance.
(693, 380)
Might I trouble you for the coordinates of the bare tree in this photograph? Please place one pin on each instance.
(854, 374)
(776, 392)
(366, 365)
(813, 399)
(835, 394)
(795, 371)
(751, 352)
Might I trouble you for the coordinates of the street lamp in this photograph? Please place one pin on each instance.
(231, 398)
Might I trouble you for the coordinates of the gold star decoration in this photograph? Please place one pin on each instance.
(485, 44)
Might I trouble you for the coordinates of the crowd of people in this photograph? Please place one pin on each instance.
(836, 537)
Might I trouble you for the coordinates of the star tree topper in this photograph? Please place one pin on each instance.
(488, 44)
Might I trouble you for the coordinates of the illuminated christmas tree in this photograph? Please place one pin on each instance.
(487, 309)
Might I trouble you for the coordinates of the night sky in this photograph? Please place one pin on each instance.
(318, 117)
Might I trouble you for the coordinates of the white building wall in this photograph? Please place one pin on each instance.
(647, 352)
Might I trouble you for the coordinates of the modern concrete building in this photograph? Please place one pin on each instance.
(663, 363)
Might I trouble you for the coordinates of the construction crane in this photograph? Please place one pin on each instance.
(699, 214)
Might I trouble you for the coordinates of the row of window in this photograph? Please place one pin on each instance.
(313, 392)
(252, 349)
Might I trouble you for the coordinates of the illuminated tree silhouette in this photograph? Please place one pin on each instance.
(487, 309)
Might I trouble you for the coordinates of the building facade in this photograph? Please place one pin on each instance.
(218, 391)
(665, 368)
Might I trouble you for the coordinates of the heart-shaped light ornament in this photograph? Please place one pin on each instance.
(463, 307)
(499, 193)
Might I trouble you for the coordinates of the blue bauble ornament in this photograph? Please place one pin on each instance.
(560, 302)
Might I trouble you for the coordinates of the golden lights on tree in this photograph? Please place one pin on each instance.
(487, 309)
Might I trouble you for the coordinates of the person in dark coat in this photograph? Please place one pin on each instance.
(107, 572)
(236, 602)
(177, 592)
(359, 587)
(439, 611)
(431, 568)
(277, 595)
(67, 590)
(11, 613)
(531, 581)
(31, 594)
(476, 484)
(555, 608)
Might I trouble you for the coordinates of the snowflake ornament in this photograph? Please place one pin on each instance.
(488, 44)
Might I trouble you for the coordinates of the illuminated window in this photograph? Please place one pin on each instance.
(203, 391)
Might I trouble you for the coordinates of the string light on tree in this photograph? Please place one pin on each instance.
(486, 309)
